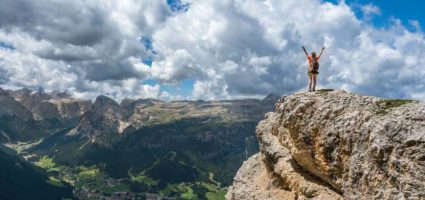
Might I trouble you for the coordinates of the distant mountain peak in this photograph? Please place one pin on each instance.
(102, 99)
(25, 90)
(271, 98)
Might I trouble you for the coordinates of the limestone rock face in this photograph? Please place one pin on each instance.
(102, 121)
(47, 106)
(11, 107)
(251, 183)
(107, 120)
(61, 109)
(29, 98)
(337, 145)
(271, 99)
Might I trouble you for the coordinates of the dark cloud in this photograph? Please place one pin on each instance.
(249, 48)
(80, 35)
(84, 45)
(230, 48)
(110, 70)
(68, 22)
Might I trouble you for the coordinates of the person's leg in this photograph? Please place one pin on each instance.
(310, 80)
(314, 81)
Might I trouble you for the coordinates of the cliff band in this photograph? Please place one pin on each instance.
(337, 145)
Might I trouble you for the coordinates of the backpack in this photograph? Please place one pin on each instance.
(314, 65)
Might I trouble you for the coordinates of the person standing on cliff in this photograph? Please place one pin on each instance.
(313, 68)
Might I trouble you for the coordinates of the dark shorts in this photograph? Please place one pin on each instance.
(313, 73)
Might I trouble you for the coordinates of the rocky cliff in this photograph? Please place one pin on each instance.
(337, 145)
(62, 109)
(11, 107)
(102, 121)
(134, 149)
(48, 106)
(27, 115)
(106, 120)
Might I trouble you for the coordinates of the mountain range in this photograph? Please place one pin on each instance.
(135, 149)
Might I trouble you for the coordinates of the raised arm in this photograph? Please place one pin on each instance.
(323, 48)
(305, 51)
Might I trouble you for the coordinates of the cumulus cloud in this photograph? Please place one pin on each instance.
(243, 48)
(232, 49)
(370, 9)
(88, 47)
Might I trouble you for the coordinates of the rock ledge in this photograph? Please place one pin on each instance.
(337, 145)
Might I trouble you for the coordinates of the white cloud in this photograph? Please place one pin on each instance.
(415, 24)
(26, 69)
(370, 9)
(253, 47)
(85, 47)
(178, 65)
(232, 49)
(209, 90)
(129, 88)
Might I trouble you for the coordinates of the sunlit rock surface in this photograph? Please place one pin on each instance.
(337, 145)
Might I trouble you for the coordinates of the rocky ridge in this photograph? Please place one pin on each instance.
(106, 120)
(29, 105)
(337, 145)
(140, 147)
(11, 107)
(28, 115)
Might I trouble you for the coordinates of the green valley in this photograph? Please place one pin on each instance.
(139, 149)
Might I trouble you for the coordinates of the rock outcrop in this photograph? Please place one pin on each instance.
(49, 106)
(337, 145)
(26, 115)
(102, 122)
(29, 98)
(61, 109)
(106, 120)
(11, 107)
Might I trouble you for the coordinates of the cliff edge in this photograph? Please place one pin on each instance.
(337, 145)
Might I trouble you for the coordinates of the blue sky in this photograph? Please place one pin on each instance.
(209, 49)
(390, 9)
(185, 87)
(6, 46)
(177, 5)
